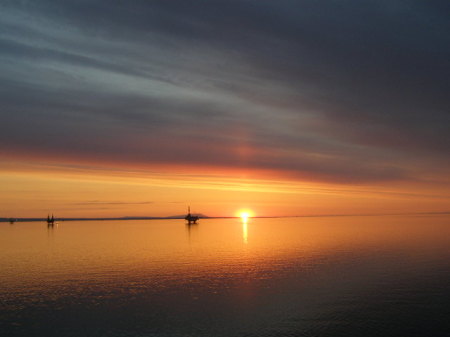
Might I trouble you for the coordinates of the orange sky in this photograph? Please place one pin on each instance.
(30, 189)
(285, 108)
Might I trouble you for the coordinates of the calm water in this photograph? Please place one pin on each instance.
(331, 276)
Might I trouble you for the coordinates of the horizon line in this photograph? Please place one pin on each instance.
(181, 217)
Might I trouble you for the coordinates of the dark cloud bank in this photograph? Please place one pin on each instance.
(342, 91)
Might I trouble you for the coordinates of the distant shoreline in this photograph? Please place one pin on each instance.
(181, 217)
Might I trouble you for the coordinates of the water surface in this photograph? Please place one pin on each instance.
(329, 276)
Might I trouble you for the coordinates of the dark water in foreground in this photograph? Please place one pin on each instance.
(342, 276)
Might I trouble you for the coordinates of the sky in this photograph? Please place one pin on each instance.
(140, 108)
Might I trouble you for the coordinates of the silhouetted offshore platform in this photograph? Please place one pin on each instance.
(50, 221)
(191, 219)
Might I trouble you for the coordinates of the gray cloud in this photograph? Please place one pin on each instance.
(339, 91)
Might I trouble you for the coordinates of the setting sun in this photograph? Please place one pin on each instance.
(245, 214)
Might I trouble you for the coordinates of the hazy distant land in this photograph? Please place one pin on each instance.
(202, 216)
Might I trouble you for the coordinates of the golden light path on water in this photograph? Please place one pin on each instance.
(245, 230)
(245, 215)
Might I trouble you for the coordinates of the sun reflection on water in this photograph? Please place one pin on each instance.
(245, 229)
(245, 215)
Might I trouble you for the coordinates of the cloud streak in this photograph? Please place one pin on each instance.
(345, 92)
(116, 203)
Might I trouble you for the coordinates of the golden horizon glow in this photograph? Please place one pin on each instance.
(34, 190)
